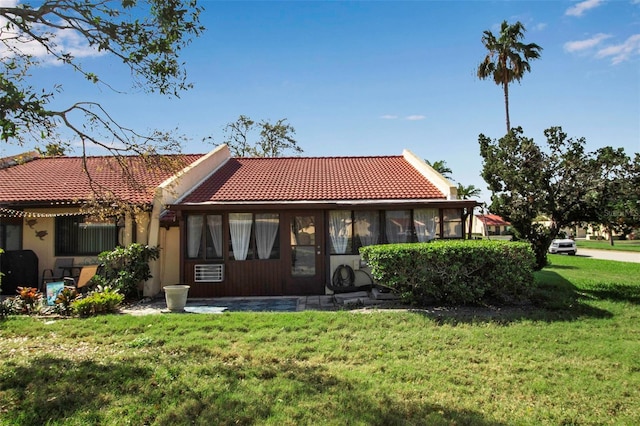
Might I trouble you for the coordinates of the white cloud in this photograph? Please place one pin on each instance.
(542, 25)
(61, 41)
(580, 8)
(388, 117)
(415, 117)
(578, 45)
(622, 52)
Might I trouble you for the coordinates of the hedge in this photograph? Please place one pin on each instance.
(454, 271)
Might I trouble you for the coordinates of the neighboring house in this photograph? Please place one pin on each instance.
(282, 226)
(42, 199)
(570, 231)
(489, 225)
(232, 226)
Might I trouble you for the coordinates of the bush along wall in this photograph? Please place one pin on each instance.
(454, 272)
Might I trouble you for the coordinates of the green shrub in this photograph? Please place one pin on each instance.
(454, 272)
(65, 299)
(29, 299)
(9, 306)
(125, 268)
(102, 301)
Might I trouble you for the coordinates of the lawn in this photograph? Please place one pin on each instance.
(624, 245)
(575, 361)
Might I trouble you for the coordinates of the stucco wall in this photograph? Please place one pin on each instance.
(38, 235)
(142, 229)
(170, 256)
(44, 246)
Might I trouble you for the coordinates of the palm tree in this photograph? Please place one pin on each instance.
(508, 58)
(466, 192)
(441, 167)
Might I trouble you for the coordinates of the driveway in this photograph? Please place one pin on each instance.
(622, 256)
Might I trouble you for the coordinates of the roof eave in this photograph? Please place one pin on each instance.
(437, 202)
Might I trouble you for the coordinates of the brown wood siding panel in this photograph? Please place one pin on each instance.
(256, 277)
(241, 278)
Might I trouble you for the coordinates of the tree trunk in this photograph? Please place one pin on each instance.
(506, 104)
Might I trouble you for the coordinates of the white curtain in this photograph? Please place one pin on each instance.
(194, 235)
(339, 224)
(398, 226)
(240, 230)
(424, 221)
(367, 227)
(214, 223)
(266, 231)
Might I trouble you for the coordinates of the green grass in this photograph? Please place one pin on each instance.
(573, 361)
(624, 245)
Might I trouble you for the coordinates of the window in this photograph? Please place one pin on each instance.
(204, 236)
(84, 236)
(398, 226)
(452, 223)
(11, 234)
(426, 222)
(254, 236)
(350, 230)
(367, 228)
(340, 231)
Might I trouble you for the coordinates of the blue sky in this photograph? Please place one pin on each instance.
(374, 78)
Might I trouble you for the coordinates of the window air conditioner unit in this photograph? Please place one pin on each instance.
(209, 273)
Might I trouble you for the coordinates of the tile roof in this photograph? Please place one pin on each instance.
(492, 220)
(63, 179)
(314, 179)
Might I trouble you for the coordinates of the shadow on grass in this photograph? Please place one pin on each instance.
(286, 391)
(554, 299)
(552, 265)
(614, 292)
(51, 391)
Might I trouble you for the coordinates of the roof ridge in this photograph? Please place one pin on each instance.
(318, 157)
(15, 160)
(71, 157)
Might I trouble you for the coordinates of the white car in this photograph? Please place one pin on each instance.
(563, 246)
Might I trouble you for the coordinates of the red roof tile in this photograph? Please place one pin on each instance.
(492, 220)
(314, 179)
(63, 179)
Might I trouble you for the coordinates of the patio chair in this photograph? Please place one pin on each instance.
(62, 267)
(83, 282)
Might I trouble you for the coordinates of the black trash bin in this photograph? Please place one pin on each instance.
(20, 269)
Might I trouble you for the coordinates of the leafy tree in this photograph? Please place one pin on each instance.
(526, 181)
(508, 58)
(614, 198)
(466, 192)
(145, 35)
(52, 150)
(441, 167)
(237, 134)
(273, 140)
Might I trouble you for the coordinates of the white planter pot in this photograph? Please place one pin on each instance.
(176, 296)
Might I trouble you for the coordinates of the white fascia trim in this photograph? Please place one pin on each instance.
(223, 151)
(313, 202)
(443, 184)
